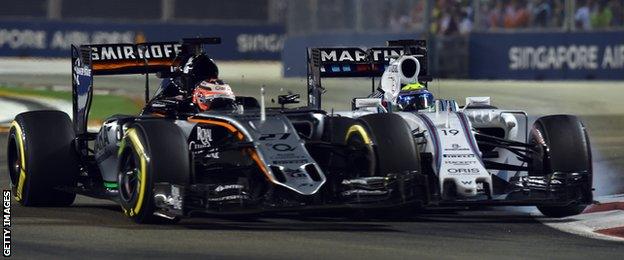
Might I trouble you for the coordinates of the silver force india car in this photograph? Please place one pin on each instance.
(474, 155)
(173, 160)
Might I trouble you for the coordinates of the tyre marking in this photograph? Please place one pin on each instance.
(22, 174)
(361, 131)
(140, 151)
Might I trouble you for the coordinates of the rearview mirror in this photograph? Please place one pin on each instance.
(288, 99)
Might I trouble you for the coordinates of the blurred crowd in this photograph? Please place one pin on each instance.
(523, 14)
(452, 17)
(591, 14)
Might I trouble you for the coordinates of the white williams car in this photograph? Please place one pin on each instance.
(473, 155)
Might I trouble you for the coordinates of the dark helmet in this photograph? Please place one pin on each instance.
(199, 68)
(415, 100)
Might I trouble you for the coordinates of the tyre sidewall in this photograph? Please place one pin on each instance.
(564, 147)
(395, 148)
(49, 158)
(164, 159)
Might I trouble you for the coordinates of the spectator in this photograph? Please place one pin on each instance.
(465, 25)
(417, 16)
(436, 14)
(399, 22)
(516, 14)
(618, 13)
(558, 13)
(448, 22)
(602, 16)
(496, 15)
(542, 14)
(582, 16)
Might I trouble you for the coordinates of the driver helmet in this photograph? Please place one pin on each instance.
(213, 94)
(198, 68)
(415, 100)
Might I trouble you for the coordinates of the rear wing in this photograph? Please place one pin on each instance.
(113, 59)
(355, 62)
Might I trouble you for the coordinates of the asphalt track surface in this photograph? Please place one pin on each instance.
(92, 228)
(97, 229)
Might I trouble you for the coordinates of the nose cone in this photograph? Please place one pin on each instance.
(466, 187)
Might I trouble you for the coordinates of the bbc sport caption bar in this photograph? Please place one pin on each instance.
(6, 223)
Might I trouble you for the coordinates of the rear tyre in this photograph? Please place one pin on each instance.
(395, 149)
(152, 151)
(563, 146)
(42, 162)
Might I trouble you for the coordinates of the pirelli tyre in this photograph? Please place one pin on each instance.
(360, 158)
(152, 151)
(42, 163)
(563, 146)
(395, 149)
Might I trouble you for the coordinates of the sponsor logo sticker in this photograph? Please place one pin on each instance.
(299, 161)
(463, 170)
(464, 155)
(203, 139)
(456, 147)
(457, 162)
(283, 147)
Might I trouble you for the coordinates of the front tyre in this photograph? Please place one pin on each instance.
(360, 158)
(152, 151)
(395, 148)
(562, 145)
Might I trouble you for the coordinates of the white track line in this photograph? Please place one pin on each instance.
(9, 109)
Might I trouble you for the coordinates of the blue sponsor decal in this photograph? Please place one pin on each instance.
(581, 55)
(53, 39)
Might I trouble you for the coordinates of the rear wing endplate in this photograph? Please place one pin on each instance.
(113, 59)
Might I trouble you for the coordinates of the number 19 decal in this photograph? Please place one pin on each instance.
(450, 132)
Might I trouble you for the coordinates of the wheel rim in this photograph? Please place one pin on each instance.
(363, 166)
(14, 161)
(128, 178)
(538, 164)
